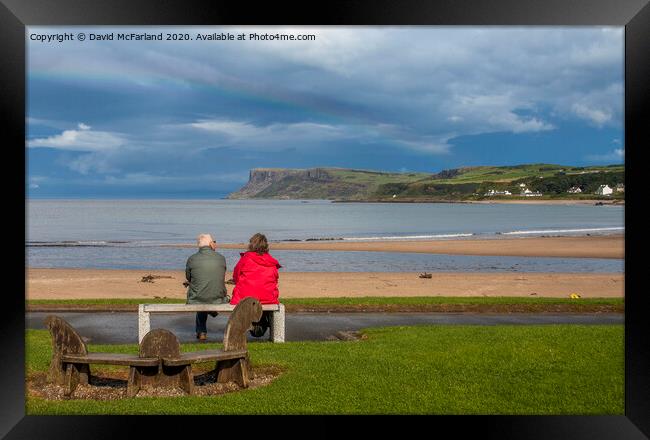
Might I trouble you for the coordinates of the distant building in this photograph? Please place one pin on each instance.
(493, 192)
(575, 190)
(620, 188)
(529, 193)
(522, 185)
(604, 190)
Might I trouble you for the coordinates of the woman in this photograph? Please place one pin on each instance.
(256, 275)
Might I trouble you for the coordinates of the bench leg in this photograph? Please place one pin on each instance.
(56, 373)
(277, 325)
(84, 374)
(187, 380)
(134, 383)
(71, 379)
(233, 370)
(144, 323)
(248, 365)
(244, 368)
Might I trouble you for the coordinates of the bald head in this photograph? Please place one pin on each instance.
(204, 240)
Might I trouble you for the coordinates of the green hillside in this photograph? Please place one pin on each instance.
(468, 183)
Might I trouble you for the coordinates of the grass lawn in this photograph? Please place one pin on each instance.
(549, 369)
(424, 300)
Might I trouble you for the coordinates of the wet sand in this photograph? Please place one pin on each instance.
(93, 283)
(604, 246)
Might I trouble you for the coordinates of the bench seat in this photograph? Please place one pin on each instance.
(196, 357)
(110, 359)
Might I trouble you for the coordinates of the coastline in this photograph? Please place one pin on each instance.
(601, 246)
(521, 201)
(119, 283)
(532, 201)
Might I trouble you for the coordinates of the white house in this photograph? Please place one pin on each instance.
(575, 190)
(493, 192)
(620, 188)
(604, 190)
(529, 193)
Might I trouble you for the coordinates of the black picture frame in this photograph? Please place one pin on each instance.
(633, 14)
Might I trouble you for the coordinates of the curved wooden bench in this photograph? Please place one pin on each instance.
(70, 363)
(159, 361)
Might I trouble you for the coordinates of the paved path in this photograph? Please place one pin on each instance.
(122, 327)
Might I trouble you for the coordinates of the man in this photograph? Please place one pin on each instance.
(205, 272)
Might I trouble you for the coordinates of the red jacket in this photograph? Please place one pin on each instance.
(257, 276)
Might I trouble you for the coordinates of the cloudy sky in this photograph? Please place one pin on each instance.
(190, 118)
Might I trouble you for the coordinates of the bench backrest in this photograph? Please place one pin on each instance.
(65, 339)
(160, 343)
(248, 310)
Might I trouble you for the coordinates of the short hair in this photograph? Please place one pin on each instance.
(258, 243)
(204, 240)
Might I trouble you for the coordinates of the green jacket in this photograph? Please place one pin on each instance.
(205, 271)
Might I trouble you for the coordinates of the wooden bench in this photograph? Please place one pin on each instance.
(276, 331)
(70, 363)
(159, 361)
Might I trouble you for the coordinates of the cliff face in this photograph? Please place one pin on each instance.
(263, 182)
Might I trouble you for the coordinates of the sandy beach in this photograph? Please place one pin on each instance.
(604, 246)
(92, 283)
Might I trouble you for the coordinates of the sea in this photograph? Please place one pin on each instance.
(134, 234)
